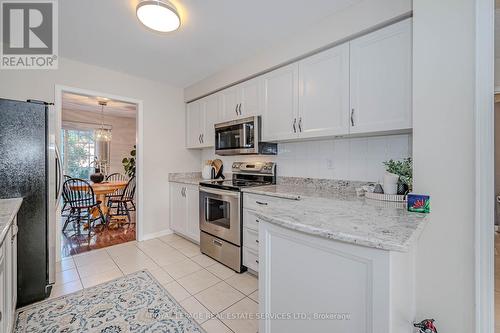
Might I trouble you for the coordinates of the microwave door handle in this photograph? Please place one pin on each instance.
(244, 135)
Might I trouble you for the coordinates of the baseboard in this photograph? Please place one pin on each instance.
(156, 234)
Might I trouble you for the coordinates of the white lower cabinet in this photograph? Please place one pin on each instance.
(251, 259)
(250, 240)
(324, 285)
(8, 279)
(184, 210)
(193, 213)
(337, 287)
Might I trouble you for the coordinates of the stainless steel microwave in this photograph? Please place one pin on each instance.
(242, 137)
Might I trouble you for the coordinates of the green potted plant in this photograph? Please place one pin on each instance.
(404, 169)
(129, 163)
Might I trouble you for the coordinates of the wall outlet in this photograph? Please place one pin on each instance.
(329, 164)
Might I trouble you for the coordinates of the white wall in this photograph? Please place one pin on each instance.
(164, 122)
(123, 134)
(363, 15)
(443, 151)
(345, 159)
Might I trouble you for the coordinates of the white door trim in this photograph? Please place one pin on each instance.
(484, 174)
(59, 89)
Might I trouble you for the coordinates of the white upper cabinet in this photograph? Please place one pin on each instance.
(381, 76)
(242, 100)
(324, 93)
(250, 96)
(211, 105)
(363, 87)
(279, 117)
(230, 103)
(194, 121)
(201, 117)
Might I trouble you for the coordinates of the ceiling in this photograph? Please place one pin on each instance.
(84, 103)
(214, 34)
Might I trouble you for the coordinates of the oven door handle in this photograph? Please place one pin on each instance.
(220, 192)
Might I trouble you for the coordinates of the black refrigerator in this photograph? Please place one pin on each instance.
(30, 168)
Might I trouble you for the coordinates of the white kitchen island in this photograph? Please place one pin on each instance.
(331, 262)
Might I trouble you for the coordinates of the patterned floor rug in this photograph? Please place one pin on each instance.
(134, 303)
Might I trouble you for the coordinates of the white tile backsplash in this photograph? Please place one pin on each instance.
(347, 159)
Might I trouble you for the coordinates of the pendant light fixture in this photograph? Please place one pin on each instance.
(159, 15)
(103, 134)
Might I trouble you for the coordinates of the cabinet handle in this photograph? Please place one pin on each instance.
(300, 124)
(217, 242)
(236, 109)
(294, 123)
(257, 241)
(257, 261)
(199, 138)
(256, 220)
(202, 139)
(240, 109)
(261, 203)
(352, 117)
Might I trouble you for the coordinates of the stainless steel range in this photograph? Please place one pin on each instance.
(221, 211)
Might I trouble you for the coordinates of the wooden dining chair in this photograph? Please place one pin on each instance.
(80, 196)
(125, 203)
(66, 207)
(116, 177)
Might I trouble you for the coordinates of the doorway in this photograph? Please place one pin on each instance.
(98, 136)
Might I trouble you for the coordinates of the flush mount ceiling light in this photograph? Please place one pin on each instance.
(159, 15)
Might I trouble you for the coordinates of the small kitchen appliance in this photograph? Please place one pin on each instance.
(208, 170)
(221, 220)
(242, 137)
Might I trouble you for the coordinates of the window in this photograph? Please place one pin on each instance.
(78, 151)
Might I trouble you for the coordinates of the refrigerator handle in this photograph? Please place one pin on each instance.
(59, 175)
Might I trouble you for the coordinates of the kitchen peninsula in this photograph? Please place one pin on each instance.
(356, 259)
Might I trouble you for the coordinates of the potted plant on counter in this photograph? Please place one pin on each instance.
(403, 169)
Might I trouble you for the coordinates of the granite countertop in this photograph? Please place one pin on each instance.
(340, 215)
(190, 178)
(8, 210)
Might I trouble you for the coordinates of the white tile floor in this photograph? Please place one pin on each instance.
(208, 290)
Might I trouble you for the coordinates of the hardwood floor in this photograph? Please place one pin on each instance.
(72, 244)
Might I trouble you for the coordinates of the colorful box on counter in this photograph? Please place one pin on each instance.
(419, 203)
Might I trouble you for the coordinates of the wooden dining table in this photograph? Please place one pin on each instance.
(103, 189)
